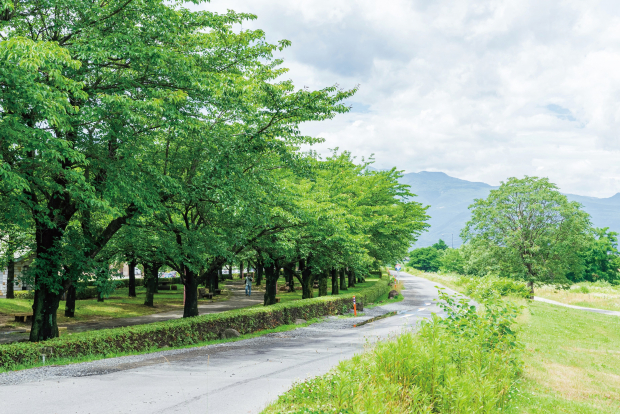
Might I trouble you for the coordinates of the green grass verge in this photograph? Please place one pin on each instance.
(183, 332)
(571, 362)
(466, 363)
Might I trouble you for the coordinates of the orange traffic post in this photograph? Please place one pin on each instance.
(354, 306)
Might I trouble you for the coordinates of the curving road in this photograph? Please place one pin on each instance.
(236, 377)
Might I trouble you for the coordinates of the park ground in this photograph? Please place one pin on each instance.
(120, 310)
(572, 357)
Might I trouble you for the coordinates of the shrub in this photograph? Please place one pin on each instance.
(124, 283)
(467, 362)
(184, 331)
(583, 289)
(427, 259)
(89, 292)
(488, 286)
(24, 294)
(452, 261)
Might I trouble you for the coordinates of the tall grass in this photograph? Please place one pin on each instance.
(467, 362)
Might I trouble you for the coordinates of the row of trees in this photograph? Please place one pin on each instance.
(148, 133)
(528, 230)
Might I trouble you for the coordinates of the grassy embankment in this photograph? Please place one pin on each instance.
(572, 357)
(571, 364)
(598, 295)
(601, 295)
(466, 363)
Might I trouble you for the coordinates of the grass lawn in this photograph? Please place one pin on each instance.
(119, 305)
(572, 358)
(598, 295)
(590, 295)
(572, 361)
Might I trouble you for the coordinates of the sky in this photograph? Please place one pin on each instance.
(481, 90)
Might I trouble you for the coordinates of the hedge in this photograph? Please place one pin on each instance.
(186, 331)
(124, 283)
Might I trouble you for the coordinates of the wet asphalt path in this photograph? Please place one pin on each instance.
(237, 377)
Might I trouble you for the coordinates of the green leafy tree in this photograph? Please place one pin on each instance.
(452, 261)
(601, 257)
(529, 230)
(427, 259)
(440, 245)
(95, 97)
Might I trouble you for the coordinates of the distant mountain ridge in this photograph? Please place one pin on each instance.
(450, 197)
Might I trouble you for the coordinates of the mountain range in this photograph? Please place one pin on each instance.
(450, 197)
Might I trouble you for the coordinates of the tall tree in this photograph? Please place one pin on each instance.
(601, 257)
(530, 230)
(98, 94)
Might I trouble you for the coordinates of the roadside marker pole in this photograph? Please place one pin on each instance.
(354, 306)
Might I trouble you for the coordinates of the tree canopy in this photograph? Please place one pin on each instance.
(527, 229)
(146, 131)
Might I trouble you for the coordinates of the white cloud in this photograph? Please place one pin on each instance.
(481, 90)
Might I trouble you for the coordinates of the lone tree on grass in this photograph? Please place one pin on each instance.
(530, 230)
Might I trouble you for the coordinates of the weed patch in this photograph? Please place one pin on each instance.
(466, 362)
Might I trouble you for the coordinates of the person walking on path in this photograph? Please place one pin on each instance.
(248, 285)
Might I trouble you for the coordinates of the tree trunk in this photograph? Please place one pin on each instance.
(323, 284)
(191, 294)
(44, 316)
(351, 274)
(335, 289)
(100, 297)
(47, 293)
(216, 280)
(289, 276)
(132, 278)
(10, 278)
(150, 281)
(271, 284)
(343, 280)
(306, 280)
(259, 272)
(530, 284)
(212, 280)
(241, 270)
(70, 301)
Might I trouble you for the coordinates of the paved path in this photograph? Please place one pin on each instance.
(236, 377)
(237, 300)
(553, 302)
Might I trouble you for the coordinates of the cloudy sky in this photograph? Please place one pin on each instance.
(481, 90)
